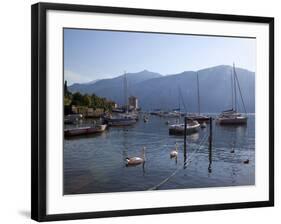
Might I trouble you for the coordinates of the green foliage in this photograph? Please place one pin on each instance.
(67, 95)
(66, 101)
(65, 87)
(91, 101)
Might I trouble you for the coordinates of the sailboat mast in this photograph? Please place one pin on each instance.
(198, 94)
(125, 92)
(179, 99)
(239, 88)
(235, 98)
(231, 78)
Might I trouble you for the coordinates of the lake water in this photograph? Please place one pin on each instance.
(96, 164)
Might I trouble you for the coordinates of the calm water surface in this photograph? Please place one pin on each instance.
(96, 164)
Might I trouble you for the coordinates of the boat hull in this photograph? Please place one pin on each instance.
(199, 118)
(84, 131)
(179, 129)
(121, 122)
(232, 121)
(73, 118)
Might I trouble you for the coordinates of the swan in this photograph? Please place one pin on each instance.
(136, 160)
(174, 152)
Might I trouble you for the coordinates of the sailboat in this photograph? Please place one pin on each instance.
(192, 126)
(231, 116)
(123, 119)
(198, 117)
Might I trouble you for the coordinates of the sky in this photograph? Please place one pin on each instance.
(95, 54)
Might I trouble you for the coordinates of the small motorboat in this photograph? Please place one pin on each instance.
(73, 118)
(85, 130)
(121, 120)
(178, 129)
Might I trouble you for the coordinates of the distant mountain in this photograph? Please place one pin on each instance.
(110, 87)
(156, 91)
(92, 82)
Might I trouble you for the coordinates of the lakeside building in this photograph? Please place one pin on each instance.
(86, 111)
(133, 102)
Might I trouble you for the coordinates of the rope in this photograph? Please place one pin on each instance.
(179, 168)
(200, 144)
(164, 181)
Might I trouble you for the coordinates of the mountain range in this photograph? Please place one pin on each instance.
(168, 92)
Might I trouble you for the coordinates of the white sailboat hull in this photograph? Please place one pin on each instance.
(232, 117)
(178, 129)
(239, 120)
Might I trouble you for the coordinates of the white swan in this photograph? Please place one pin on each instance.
(174, 152)
(136, 160)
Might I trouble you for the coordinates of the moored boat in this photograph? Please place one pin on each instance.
(73, 118)
(84, 130)
(156, 112)
(232, 121)
(232, 117)
(178, 129)
(131, 115)
(198, 116)
(121, 122)
(124, 120)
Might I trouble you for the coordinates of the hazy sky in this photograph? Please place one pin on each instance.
(92, 54)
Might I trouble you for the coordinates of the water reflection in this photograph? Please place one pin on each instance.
(89, 136)
(193, 137)
(210, 160)
(136, 165)
(125, 144)
(97, 163)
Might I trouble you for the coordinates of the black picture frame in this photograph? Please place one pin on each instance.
(38, 110)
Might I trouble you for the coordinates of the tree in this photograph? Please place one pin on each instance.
(77, 98)
(91, 101)
(86, 100)
(65, 88)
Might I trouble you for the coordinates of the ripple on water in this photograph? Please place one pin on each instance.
(97, 164)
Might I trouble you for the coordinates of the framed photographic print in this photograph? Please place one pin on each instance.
(139, 111)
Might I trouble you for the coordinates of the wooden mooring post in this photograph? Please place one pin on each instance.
(210, 144)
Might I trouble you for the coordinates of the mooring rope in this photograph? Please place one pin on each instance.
(155, 187)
